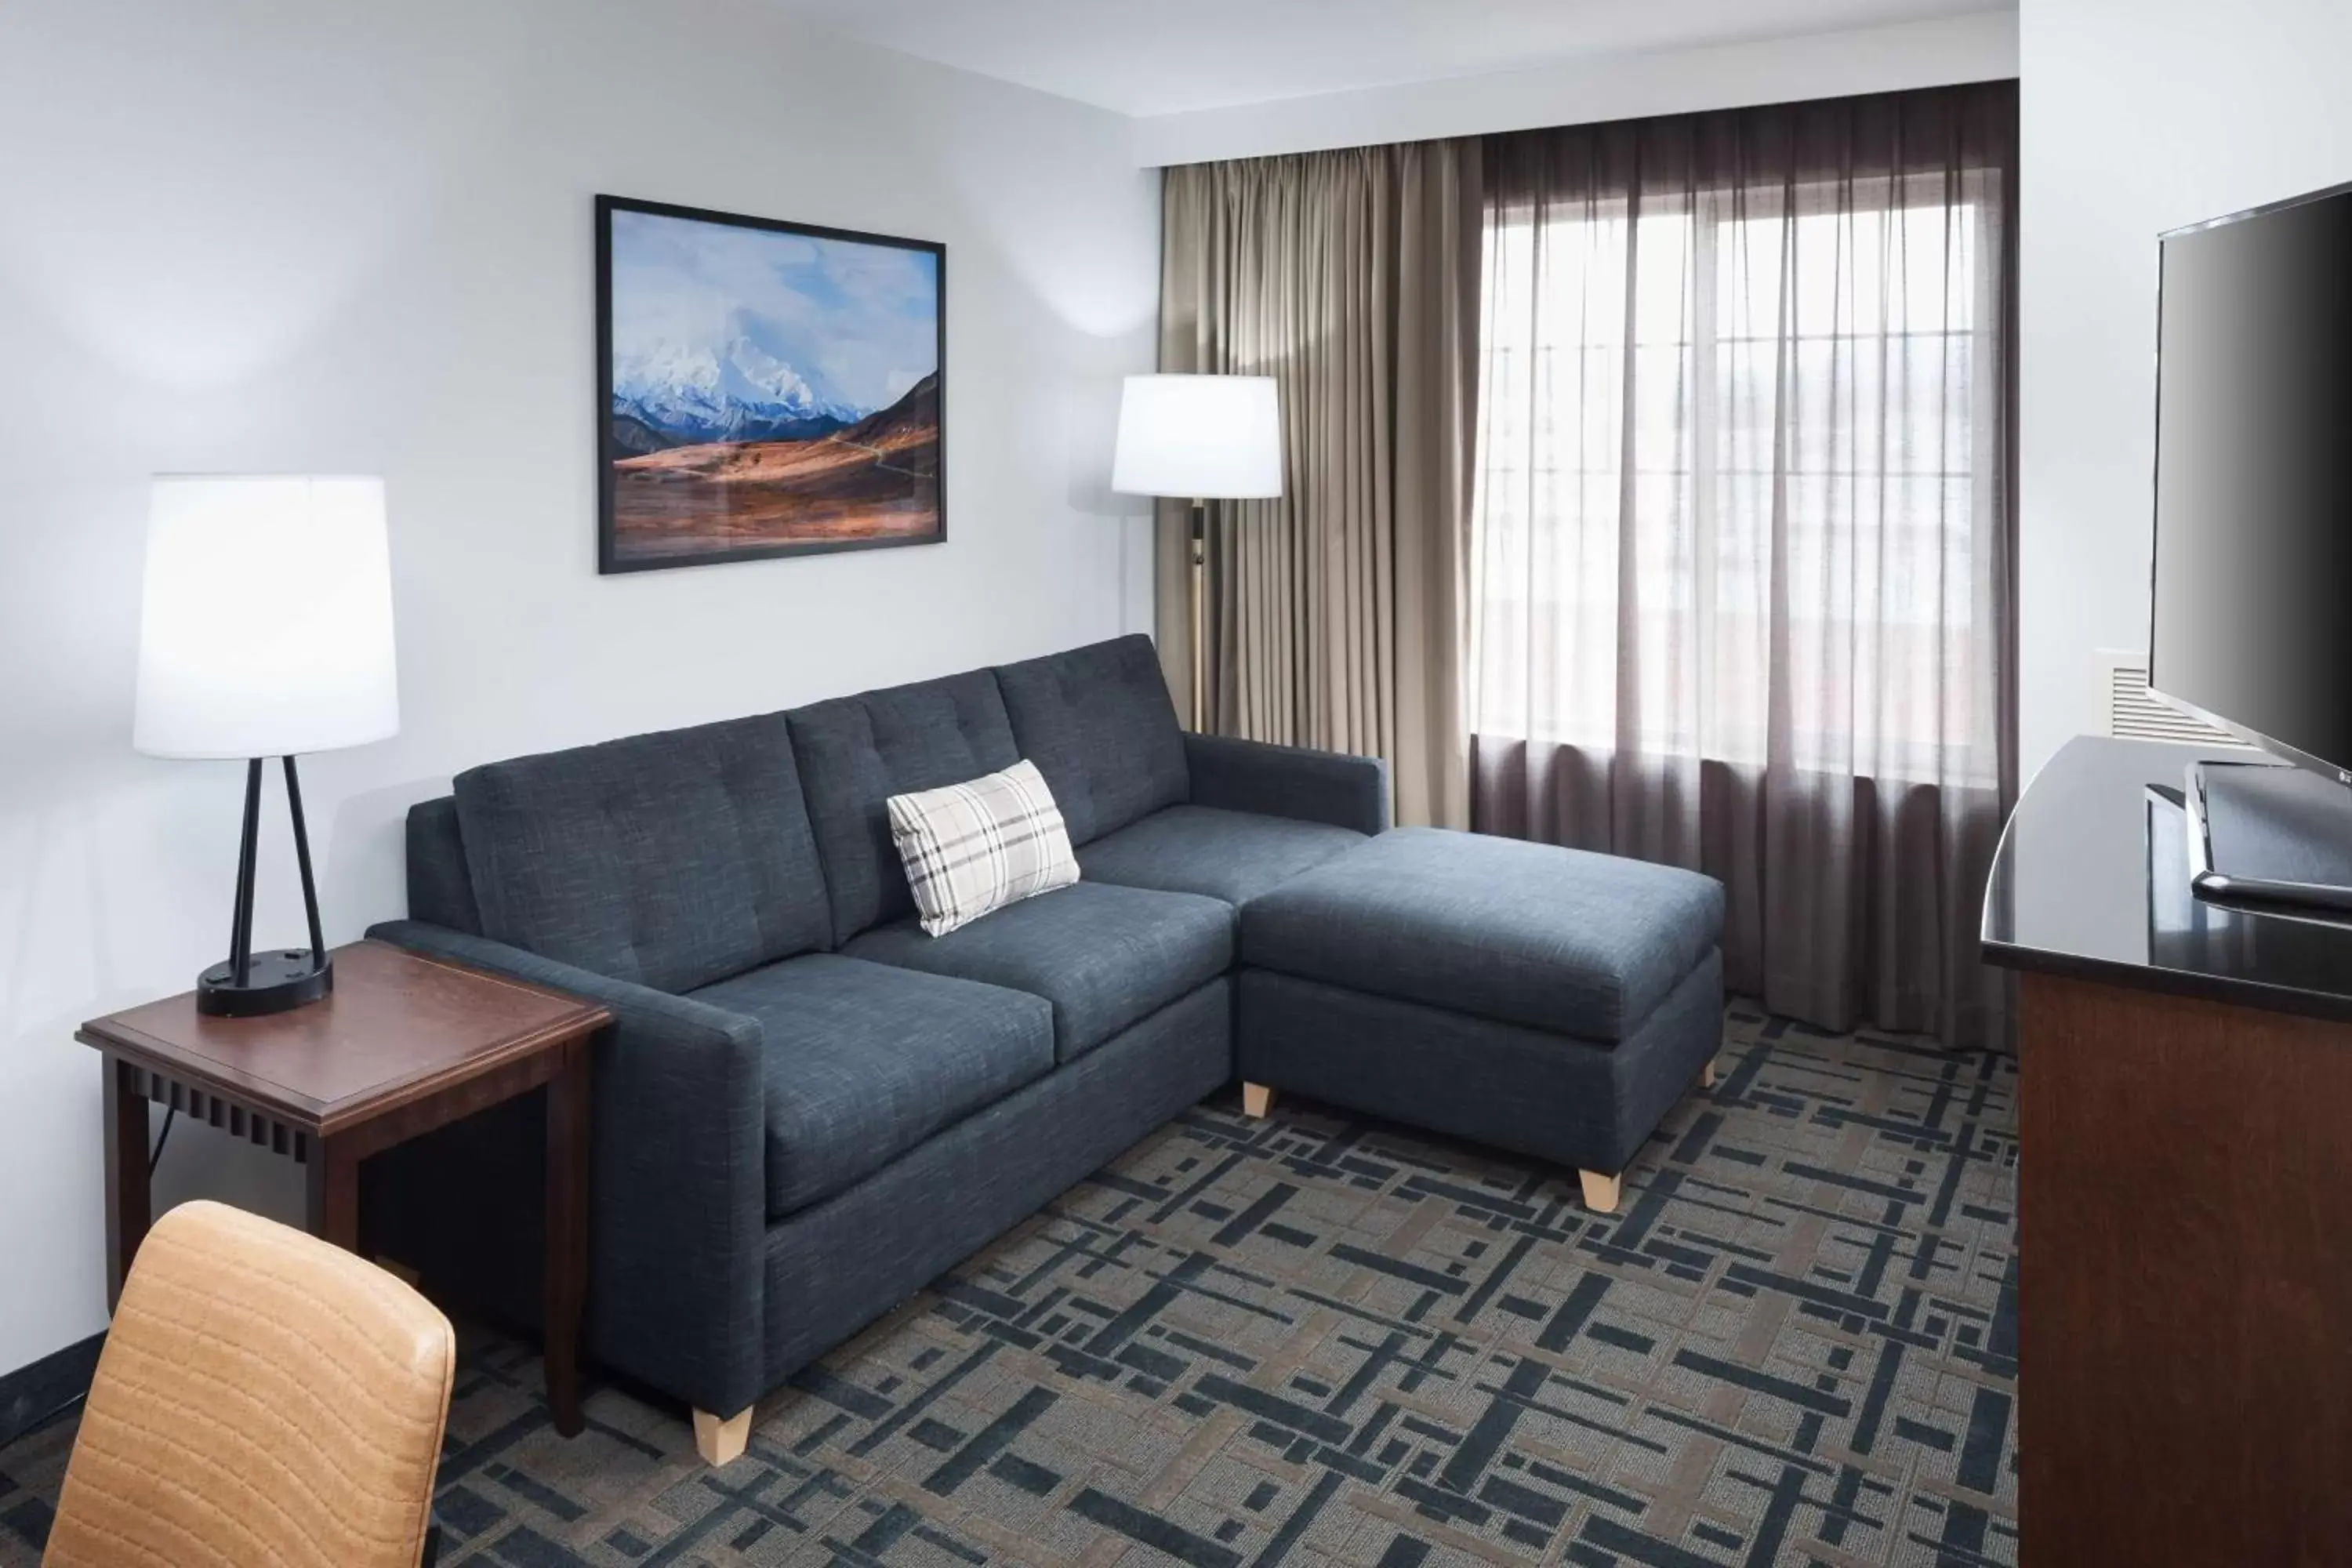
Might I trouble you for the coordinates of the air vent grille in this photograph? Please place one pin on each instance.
(2134, 712)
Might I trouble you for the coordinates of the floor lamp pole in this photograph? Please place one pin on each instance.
(1198, 574)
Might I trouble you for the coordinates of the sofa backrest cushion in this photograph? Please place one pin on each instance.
(672, 860)
(855, 752)
(1099, 725)
(440, 892)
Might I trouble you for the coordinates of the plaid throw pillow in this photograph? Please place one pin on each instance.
(973, 847)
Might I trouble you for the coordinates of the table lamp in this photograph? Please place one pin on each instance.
(1199, 438)
(264, 630)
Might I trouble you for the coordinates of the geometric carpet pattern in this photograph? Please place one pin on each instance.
(1313, 1340)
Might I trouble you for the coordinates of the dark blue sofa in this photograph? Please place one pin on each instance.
(807, 1108)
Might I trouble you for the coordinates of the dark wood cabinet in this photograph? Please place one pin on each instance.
(2185, 1191)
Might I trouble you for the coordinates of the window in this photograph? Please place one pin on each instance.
(1734, 472)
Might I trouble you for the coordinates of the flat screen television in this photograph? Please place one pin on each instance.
(2252, 621)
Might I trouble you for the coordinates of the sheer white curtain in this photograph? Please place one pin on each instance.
(1740, 593)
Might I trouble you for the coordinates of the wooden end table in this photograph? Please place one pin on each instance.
(402, 1045)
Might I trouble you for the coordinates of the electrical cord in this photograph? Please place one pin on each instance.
(170, 1114)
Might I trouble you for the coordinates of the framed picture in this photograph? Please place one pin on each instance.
(764, 388)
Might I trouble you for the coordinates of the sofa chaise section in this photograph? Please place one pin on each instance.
(1546, 1000)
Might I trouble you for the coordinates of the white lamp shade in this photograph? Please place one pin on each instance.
(1200, 437)
(266, 624)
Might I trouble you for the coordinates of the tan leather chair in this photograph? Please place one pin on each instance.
(263, 1398)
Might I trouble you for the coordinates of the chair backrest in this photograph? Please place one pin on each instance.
(263, 1398)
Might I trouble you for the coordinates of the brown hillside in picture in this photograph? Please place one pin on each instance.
(878, 478)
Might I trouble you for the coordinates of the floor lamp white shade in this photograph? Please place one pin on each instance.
(1199, 437)
(266, 621)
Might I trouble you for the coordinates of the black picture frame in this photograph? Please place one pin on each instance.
(613, 554)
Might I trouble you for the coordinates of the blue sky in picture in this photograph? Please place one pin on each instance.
(729, 333)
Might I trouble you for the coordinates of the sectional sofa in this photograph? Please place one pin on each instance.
(807, 1108)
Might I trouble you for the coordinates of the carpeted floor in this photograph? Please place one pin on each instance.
(1309, 1341)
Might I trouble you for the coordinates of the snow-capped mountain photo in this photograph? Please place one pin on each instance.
(678, 394)
(772, 388)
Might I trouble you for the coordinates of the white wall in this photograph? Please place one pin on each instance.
(298, 236)
(1976, 47)
(2139, 116)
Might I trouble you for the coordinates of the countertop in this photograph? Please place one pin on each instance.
(2091, 881)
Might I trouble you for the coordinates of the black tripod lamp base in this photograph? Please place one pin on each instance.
(274, 982)
(249, 984)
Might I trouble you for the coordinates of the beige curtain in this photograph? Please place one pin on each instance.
(1335, 615)
(1743, 584)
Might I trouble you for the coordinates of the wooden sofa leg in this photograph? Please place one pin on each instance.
(721, 1442)
(1602, 1193)
(1257, 1099)
(1707, 1073)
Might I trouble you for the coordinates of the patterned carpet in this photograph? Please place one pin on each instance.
(1311, 1341)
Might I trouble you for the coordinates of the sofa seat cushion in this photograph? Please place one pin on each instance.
(1229, 855)
(1104, 956)
(1499, 927)
(861, 1062)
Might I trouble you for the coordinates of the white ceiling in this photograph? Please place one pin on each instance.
(1164, 57)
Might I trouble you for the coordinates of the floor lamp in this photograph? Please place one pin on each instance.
(264, 629)
(1199, 438)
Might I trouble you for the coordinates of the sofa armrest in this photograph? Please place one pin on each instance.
(678, 1193)
(1289, 781)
